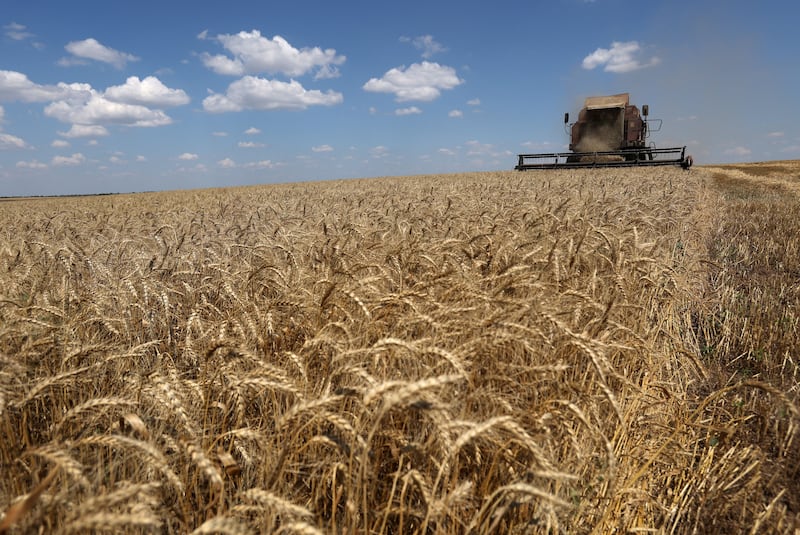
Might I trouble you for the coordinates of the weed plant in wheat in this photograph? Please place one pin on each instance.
(476, 353)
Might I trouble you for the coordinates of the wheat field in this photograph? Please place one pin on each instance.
(587, 351)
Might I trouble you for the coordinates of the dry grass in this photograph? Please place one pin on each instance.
(565, 351)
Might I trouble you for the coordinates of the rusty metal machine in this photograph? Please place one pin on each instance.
(609, 132)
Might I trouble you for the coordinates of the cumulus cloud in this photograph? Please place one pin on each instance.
(426, 43)
(16, 31)
(262, 164)
(85, 130)
(75, 159)
(33, 164)
(250, 145)
(412, 110)
(148, 92)
(187, 156)
(226, 163)
(94, 50)
(59, 144)
(322, 148)
(9, 142)
(420, 81)
(620, 58)
(134, 103)
(775, 134)
(98, 109)
(15, 86)
(254, 93)
(252, 131)
(476, 148)
(252, 53)
(474, 102)
(379, 151)
(455, 113)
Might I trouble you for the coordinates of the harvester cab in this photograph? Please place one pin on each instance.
(609, 132)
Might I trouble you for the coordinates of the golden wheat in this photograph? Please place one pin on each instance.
(566, 351)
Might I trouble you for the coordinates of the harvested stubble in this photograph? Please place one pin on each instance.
(488, 352)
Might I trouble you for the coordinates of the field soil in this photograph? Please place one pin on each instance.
(572, 351)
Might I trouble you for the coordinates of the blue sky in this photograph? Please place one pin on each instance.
(99, 96)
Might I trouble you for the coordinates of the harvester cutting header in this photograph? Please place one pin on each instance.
(609, 132)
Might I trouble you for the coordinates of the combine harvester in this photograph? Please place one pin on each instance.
(609, 132)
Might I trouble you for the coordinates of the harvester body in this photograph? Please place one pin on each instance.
(608, 123)
(609, 132)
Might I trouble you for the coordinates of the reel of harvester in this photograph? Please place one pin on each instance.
(610, 158)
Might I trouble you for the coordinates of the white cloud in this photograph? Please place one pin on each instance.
(75, 159)
(15, 86)
(446, 152)
(97, 109)
(455, 113)
(322, 148)
(620, 58)
(474, 102)
(250, 145)
(252, 54)
(775, 134)
(33, 164)
(219, 134)
(59, 144)
(17, 32)
(148, 92)
(188, 156)
(476, 148)
(252, 131)
(379, 152)
(84, 130)
(141, 158)
(92, 49)
(226, 163)
(738, 151)
(198, 168)
(263, 164)
(223, 64)
(420, 81)
(131, 104)
(327, 72)
(117, 160)
(253, 93)
(9, 142)
(426, 43)
(413, 110)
